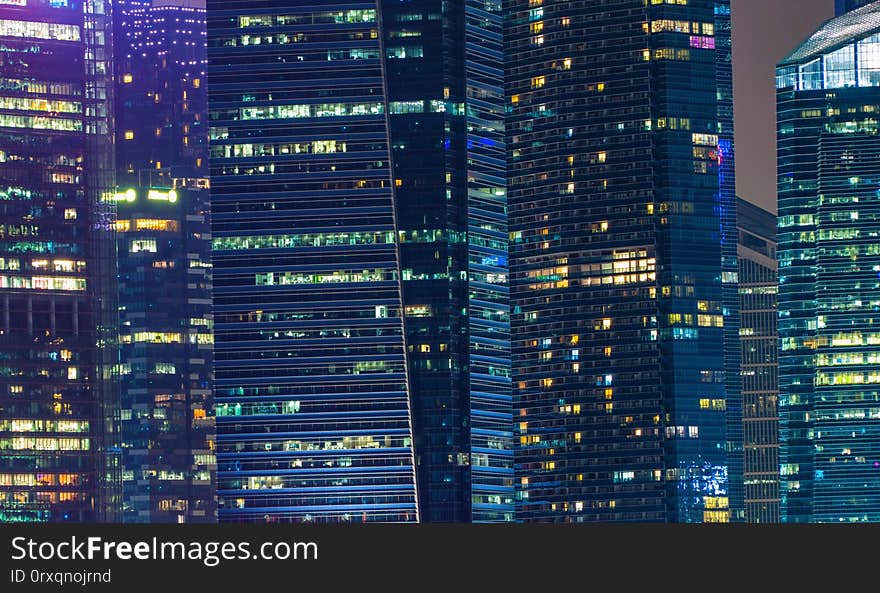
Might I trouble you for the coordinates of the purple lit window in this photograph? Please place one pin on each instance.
(701, 42)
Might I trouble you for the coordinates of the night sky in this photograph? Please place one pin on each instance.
(764, 32)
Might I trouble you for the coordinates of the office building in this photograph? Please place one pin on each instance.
(359, 227)
(828, 96)
(58, 457)
(164, 259)
(164, 249)
(622, 254)
(758, 286)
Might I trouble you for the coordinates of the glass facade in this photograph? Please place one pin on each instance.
(829, 208)
(358, 200)
(58, 455)
(728, 203)
(758, 287)
(167, 416)
(164, 248)
(841, 6)
(621, 198)
(450, 201)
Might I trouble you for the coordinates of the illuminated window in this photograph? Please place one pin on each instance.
(70, 214)
(538, 82)
(38, 30)
(139, 245)
(129, 134)
(127, 78)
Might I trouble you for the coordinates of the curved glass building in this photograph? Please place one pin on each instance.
(360, 258)
(828, 100)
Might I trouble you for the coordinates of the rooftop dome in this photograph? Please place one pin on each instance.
(837, 32)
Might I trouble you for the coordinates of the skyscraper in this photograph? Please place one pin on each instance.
(164, 249)
(167, 414)
(828, 94)
(621, 207)
(57, 419)
(358, 202)
(758, 286)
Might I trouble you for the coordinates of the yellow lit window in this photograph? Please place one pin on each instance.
(565, 21)
(566, 64)
(538, 82)
(197, 82)
(127, 78)
(129, 134)
(70, 214)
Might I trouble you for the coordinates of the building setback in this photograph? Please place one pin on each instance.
(621, 207)
(57, 312)
(359, 228)
(758, 286)
(828, 95)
